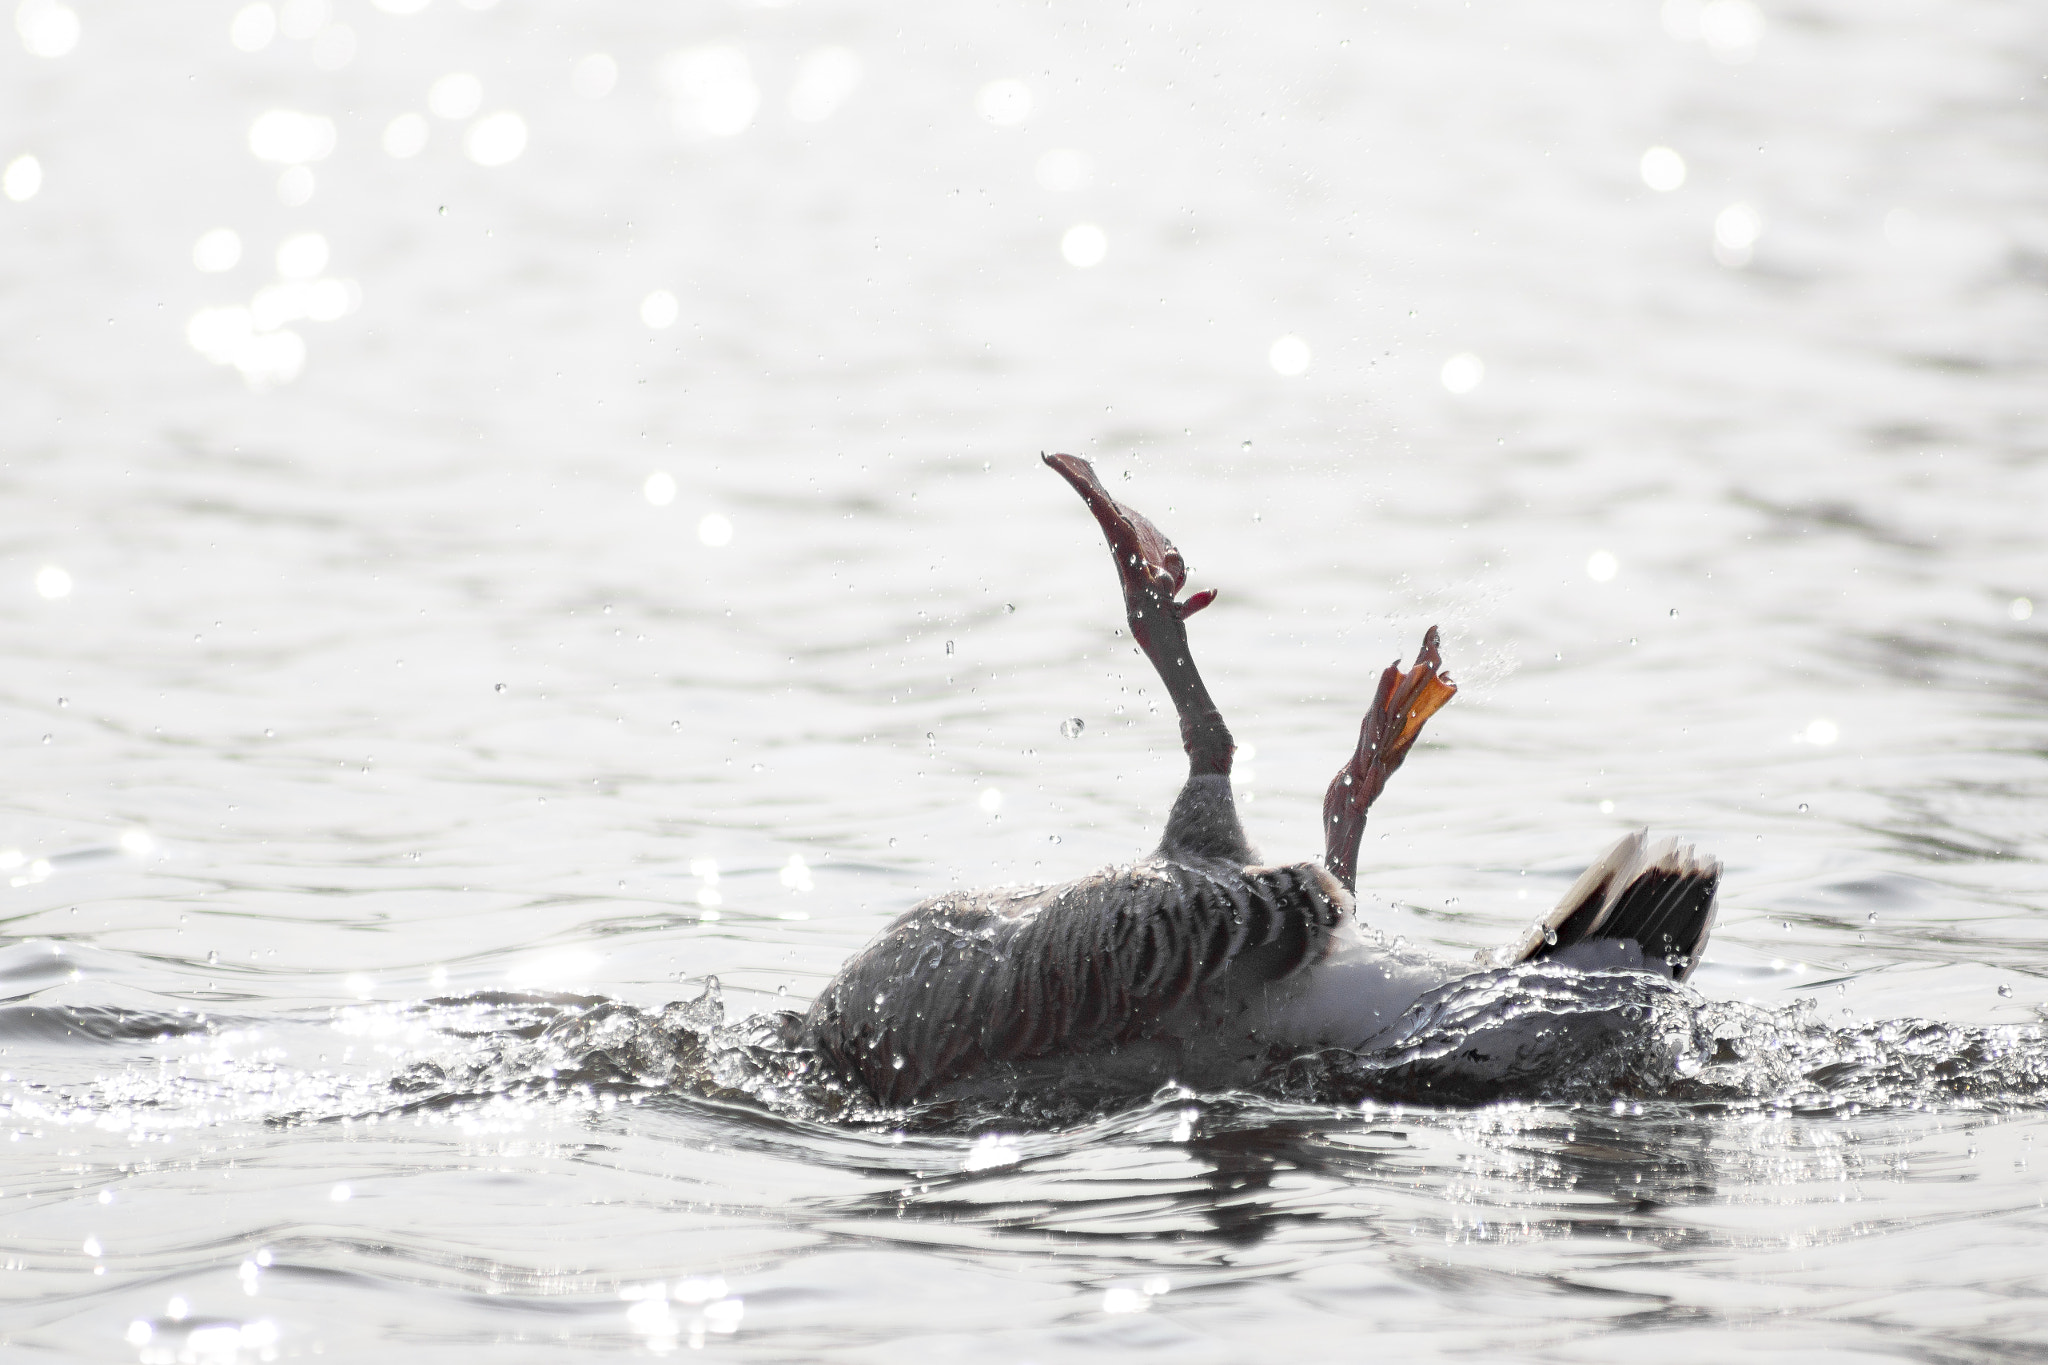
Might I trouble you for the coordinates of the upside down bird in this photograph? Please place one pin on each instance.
(1201, 963)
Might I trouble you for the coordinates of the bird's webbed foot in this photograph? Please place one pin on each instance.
(1404, 702)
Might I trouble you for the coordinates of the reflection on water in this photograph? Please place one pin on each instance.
(514, 513)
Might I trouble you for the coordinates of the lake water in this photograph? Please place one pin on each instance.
(579, 531)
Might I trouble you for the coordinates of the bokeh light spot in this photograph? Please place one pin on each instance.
(52, 582)
(217, 251)
(1663, 170)
(1462, 372)
(1084, 245)
(23, 179)
(1289, 356)
(711, 91)
(660, 488)
(1602, 566)
(253, 27)
(47, 27)
(659, 309)
(714, 530)
(1736, 230)
(496, 139)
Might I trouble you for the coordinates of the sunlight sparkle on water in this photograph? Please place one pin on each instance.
(1005, 103)
(2021, 608)
(253, 27)
(1462, 372)
(1820, 730)
(1289, 356)
(52, 582)
(406, 136)
(711, 91)
(990, 801)
(47, 28)
(496, 139)
(1084, 246)
(217, 251)
(660, 488)
(1731, 29)
(659, 309)
(1736, 229)
(1601, 566)
(456, 95)
(714, 530)
(22, 179)
(824, 80)
(594, 76)
(295, 186)
(1663, 170)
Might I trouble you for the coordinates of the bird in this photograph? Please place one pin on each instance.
(1200, 964)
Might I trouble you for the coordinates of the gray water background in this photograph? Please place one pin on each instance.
(377, 678)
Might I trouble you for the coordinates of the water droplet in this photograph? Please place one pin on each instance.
(675, 725)
(1550, 937)
(949, 646)
(2005, 991)
(48, 738)
(1052, 838)
(1072, 727)
(497, 687)
(1674, 611)
(63, 701)
(1009, 608)
(896, 1061)
(1802, 808)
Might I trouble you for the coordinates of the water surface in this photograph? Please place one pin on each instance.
(627, 562)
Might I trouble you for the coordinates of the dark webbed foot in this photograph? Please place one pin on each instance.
(1152, 574)
(1404, 702)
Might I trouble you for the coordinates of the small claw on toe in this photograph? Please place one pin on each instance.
(1195, 603)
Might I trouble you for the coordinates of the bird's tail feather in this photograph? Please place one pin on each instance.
(1659, 896)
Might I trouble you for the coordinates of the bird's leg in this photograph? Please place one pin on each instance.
(1403, 703)
(1152, 574)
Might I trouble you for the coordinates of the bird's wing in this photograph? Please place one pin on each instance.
(962, 982)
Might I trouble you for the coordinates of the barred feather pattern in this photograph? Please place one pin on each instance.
(963, 981)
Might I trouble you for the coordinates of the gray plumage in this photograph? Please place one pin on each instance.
(1199, 963)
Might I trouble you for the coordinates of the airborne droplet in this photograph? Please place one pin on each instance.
(1072, 727)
